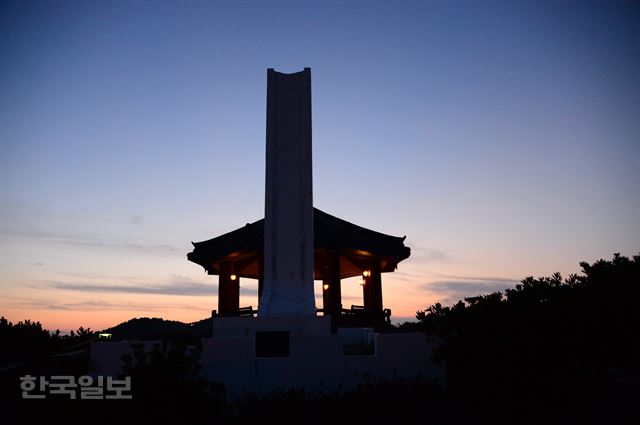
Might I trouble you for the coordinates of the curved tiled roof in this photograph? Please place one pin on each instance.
(356, 245)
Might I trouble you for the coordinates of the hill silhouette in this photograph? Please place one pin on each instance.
(145, 328)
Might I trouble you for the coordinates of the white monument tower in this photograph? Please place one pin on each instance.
(288, 224)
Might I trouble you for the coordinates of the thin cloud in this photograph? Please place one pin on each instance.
(159, 249)
(24, 221)
(452, 291)
(474, 278)
(174, 288)
(38, 305)
(186, 289)
(136, 218)
(93, 305)
(480, 287)
(86, 241)
(404, 276)
(349, 300)
(430, 255)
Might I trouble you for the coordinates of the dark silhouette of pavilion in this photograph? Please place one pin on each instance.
(341, 250)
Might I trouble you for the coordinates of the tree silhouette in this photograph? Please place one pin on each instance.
(166, 383)
(546, 345)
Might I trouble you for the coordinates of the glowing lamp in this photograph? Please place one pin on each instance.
(366, 273)
(325, 286)
(233, 277)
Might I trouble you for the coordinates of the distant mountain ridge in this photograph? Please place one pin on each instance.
(145, 328)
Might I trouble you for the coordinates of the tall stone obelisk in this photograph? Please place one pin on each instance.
(288, 220)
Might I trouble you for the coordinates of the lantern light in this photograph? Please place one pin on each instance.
(325, 286)
(366, 273)
(233, 277)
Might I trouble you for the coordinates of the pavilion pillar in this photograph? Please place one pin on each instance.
(260, 277)
(366, 290)
(372, 288)
(331, 287)
(228, 291)
(376, 288)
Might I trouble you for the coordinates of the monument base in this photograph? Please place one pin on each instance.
(264, 354)
(225, 327)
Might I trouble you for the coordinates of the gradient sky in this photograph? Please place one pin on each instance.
(502, 138)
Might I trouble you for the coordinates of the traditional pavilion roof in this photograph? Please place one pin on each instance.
(357, 247)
